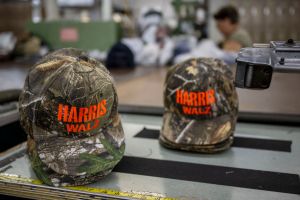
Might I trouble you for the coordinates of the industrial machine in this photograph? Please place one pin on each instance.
(255, 65)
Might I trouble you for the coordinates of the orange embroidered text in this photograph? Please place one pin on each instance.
(195, 103)
(83, 118)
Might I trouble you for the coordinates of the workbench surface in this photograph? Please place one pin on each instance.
(264, 163)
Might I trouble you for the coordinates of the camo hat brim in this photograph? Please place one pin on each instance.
(64, 161)
(205, 136)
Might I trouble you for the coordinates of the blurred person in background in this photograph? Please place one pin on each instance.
(227, 19)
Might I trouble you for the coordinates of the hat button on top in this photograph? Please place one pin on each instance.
(83, 57)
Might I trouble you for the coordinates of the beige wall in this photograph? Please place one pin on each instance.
(13, 16)
(265, 20)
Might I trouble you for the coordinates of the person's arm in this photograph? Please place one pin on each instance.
(232, 45)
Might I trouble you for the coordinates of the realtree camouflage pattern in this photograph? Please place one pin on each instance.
(208, 128)
(62, 155)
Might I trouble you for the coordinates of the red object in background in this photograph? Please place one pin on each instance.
(69, 35)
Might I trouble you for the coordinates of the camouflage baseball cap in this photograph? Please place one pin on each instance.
(201, 106)
(68, 108)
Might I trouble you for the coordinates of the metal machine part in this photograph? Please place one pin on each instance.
(255, 65)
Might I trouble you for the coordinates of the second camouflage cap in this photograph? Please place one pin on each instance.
(201, 106)
(68, 108)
